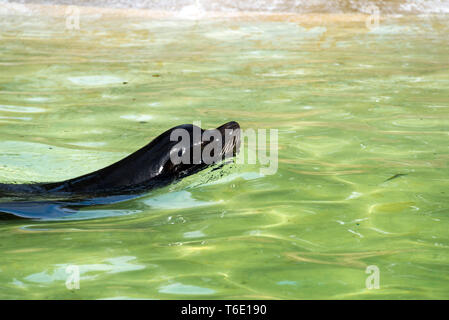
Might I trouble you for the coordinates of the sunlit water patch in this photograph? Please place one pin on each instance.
(86, 272)
(95, 80)
(20, 109)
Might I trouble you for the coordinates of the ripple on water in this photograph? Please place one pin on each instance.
(137, 117)
(179, 288)
(95, 214)
(176, 200)
(16, 118)
(95, 80)
(37, 99)
(286, 282)
(194, 234)
(230, 177)
(285, 73)
(112, 265)
(419, 123)
(20, 109)
(90, 144)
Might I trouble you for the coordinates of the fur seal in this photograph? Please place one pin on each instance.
(164, 160)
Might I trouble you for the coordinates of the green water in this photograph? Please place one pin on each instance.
(353, 108)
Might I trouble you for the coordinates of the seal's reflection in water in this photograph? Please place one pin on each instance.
(148, 168)
(54, 209)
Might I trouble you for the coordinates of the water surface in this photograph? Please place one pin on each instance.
(354, 107)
